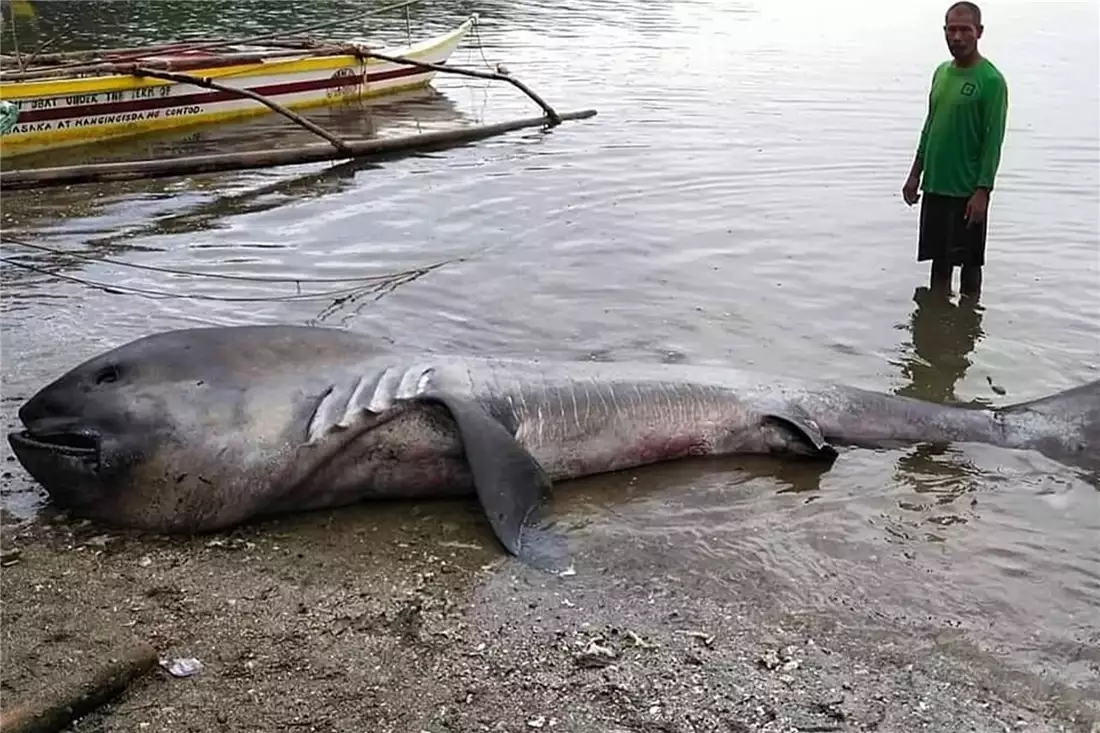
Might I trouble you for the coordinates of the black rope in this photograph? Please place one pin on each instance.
(338, 295)
(217, 275)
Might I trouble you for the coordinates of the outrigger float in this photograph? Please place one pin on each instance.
(81, 98)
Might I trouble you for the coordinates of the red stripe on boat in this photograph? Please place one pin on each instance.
(183, 100)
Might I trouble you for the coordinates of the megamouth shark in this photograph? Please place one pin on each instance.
(199, 429)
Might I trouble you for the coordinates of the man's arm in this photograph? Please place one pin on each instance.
(995, 115)
(918, 159)
(922, 144)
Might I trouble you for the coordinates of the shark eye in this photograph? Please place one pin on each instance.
(107, 375)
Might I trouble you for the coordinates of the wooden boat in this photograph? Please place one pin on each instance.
(77, 101)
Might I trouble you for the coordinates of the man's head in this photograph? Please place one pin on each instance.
(962, 29)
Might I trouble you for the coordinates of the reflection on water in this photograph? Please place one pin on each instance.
(943, 334)
(941, 474)
(167, 212)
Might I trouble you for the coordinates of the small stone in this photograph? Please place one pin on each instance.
(769, 659)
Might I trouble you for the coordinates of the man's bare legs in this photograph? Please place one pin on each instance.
(939, 280)
(970, 279)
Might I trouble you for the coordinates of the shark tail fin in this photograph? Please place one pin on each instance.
(1066, 422)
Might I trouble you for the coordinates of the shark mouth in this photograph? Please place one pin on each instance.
(77, 444)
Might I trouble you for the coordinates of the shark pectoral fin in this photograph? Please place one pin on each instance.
(789, 432)
(509, 481)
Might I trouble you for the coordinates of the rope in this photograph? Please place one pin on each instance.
(220, 275)
(338, 295)
(480, 44)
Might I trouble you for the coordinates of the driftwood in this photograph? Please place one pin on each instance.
(208, 84)
(55, 706)
(124, 171)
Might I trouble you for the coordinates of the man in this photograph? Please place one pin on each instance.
(958, 154)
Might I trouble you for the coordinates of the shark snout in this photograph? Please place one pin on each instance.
(47, 405)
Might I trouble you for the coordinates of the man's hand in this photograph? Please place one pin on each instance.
(910, 191)
(976, 207)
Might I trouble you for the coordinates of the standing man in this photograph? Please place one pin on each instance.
(958, 154)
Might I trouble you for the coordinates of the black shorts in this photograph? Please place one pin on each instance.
(944, 234)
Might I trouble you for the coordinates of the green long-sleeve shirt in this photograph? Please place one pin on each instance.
(960, 143)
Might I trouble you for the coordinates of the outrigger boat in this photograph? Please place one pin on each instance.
(69, 102)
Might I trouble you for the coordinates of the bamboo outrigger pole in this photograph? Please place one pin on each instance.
(552, 116)
(357, 149)
(550, 113)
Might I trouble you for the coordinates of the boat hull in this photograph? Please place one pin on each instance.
(64, 113)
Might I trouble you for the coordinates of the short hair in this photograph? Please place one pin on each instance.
(974, 10)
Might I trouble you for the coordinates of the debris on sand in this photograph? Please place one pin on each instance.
(595, 655)
(704, 637)
(783, 659)
(181, 667)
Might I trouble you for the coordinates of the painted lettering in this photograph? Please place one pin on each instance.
(45, 103)
(116, 119)
(31, 127)
(76, 99)
(193, 109)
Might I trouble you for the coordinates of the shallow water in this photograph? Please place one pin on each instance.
(736, 201)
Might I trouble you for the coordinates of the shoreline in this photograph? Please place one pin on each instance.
(406, 617)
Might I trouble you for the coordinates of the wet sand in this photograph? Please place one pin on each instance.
(401, 617)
